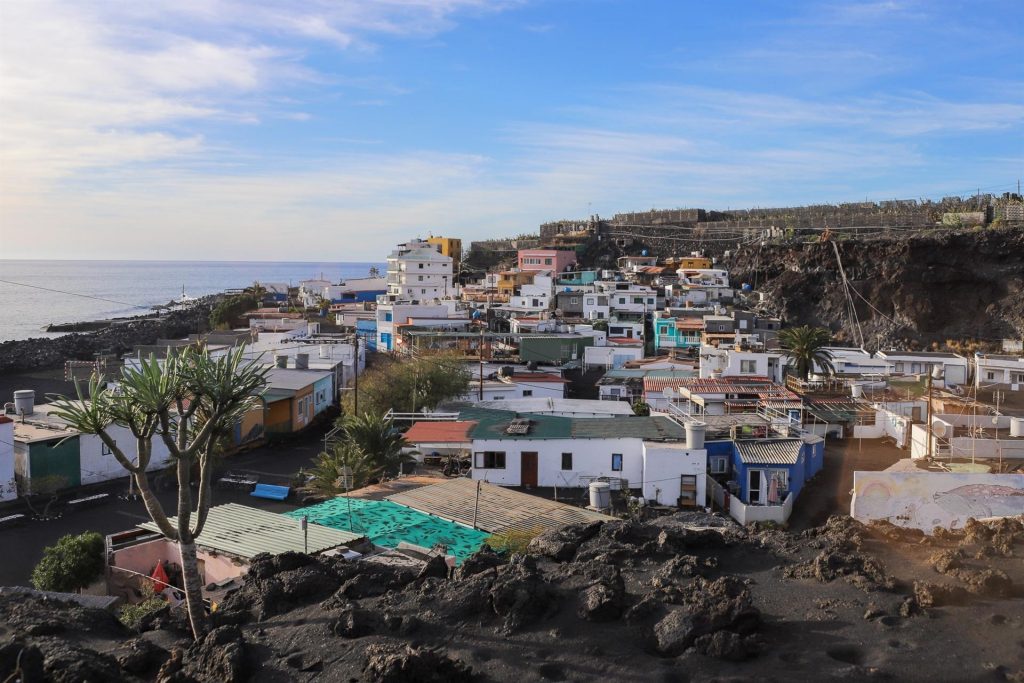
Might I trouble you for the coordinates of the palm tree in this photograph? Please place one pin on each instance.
(343, 468)
(377, 437)
(186, 401)
(805, 345)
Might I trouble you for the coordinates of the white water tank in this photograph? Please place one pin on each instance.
(1017, 426)
(302, 361)
(600, 495)
(24, 402)
(695, 435)
(325, 352)
(856, 390)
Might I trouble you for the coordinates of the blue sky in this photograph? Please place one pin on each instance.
(271, 130)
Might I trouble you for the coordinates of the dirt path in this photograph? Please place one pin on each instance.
(830, 492)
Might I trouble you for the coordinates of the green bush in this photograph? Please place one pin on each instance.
(132, 615)
(513, 541)
(71, 564)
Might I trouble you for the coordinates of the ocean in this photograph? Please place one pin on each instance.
(45, 292)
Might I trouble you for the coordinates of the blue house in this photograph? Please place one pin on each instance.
(677, 333)
(578, 278)
(765, 471)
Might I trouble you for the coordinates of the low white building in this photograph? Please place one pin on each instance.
(732, 362)
(611, 357)
(902, 363)
(562, 407)
(517, 385)
(390, 315)
(649, 454)
(851, 361)
(595, 307)
(993, 368)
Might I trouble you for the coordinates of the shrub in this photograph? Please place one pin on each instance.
(132, 615)
(513, 541)
(71, 564)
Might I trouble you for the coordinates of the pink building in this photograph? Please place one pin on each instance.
(556, 260)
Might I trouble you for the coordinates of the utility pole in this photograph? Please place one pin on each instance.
(476, 505)
(355, 388)
(481, 350)
(928, 426)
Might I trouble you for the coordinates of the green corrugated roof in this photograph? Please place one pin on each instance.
(245, 532)
(491, 424)
(626, 373)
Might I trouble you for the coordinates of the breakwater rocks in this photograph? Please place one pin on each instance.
(116, 337)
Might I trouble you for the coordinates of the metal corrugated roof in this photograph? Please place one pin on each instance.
(769, 451)
(654, 428)
(245, 532)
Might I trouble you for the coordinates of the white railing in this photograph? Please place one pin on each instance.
(748, 514)
(421, 417)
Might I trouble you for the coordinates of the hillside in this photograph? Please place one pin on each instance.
(923, 288)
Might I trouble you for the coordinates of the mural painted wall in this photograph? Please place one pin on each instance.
(925, 500)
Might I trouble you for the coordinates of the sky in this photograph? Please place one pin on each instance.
(334, 129)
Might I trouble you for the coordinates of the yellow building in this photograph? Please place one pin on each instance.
(448, 246)
(691, 262)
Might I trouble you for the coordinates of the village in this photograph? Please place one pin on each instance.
(655, 387)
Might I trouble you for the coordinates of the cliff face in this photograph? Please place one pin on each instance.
(921, 289)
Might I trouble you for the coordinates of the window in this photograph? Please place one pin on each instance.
(420, 278)
(781, 478)
(423, 291)
(622, 300)
(638, 299)
(566, 461)
(748, 367)
(650, 301)
(990, 375)
(388, 317)
(420, 265)
(547, 262)
(718, 464)
(527, 393)
(899, 368)
(616, 462)
(105, 450)
(590, 302)
(574, 300)
(490, 460)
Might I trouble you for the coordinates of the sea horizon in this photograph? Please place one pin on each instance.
(40, 292)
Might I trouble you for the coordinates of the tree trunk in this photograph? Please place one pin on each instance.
(193, 589)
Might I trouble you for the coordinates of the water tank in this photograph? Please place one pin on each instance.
(746, 287)
(643, 252)
(600, 495)
(24, 402)
(695, 435)
(1017, 426)
(302, 361)
(281, 360)
(856, 390)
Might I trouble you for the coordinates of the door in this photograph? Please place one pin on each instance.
(755, 487)
(528, 476)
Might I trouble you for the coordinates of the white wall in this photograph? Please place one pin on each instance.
(664, 463)
(8, 488)
(924, 500)
(590, 457)
(97, 466)
(611, 356)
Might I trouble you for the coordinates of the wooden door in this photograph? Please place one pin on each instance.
(528, 475)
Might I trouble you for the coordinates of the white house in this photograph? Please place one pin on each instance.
(995, 368)
(730, 362)
(8, 486)
(595, 307)
(389, 315)
(517, 385)
(851, 361)
(417, 272)
(533, 297)
(312, 291)
(645, 453)
(563, 407)
(611, 357)
(954, 367)
(628, 297)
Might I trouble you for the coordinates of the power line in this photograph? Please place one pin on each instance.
(84, 296)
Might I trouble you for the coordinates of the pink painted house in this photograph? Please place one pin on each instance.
(556, 260)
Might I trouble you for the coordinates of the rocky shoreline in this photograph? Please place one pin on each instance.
(112, 337)
(689, 597)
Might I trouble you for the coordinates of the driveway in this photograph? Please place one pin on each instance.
(23, 545)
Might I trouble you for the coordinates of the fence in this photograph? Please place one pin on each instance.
(748, 514)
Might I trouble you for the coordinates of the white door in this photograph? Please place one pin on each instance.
(755, 487)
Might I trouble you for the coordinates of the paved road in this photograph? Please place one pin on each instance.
(21, 547)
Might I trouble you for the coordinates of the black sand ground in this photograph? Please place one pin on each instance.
(623, 601)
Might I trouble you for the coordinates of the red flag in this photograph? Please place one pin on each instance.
(159, 577)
